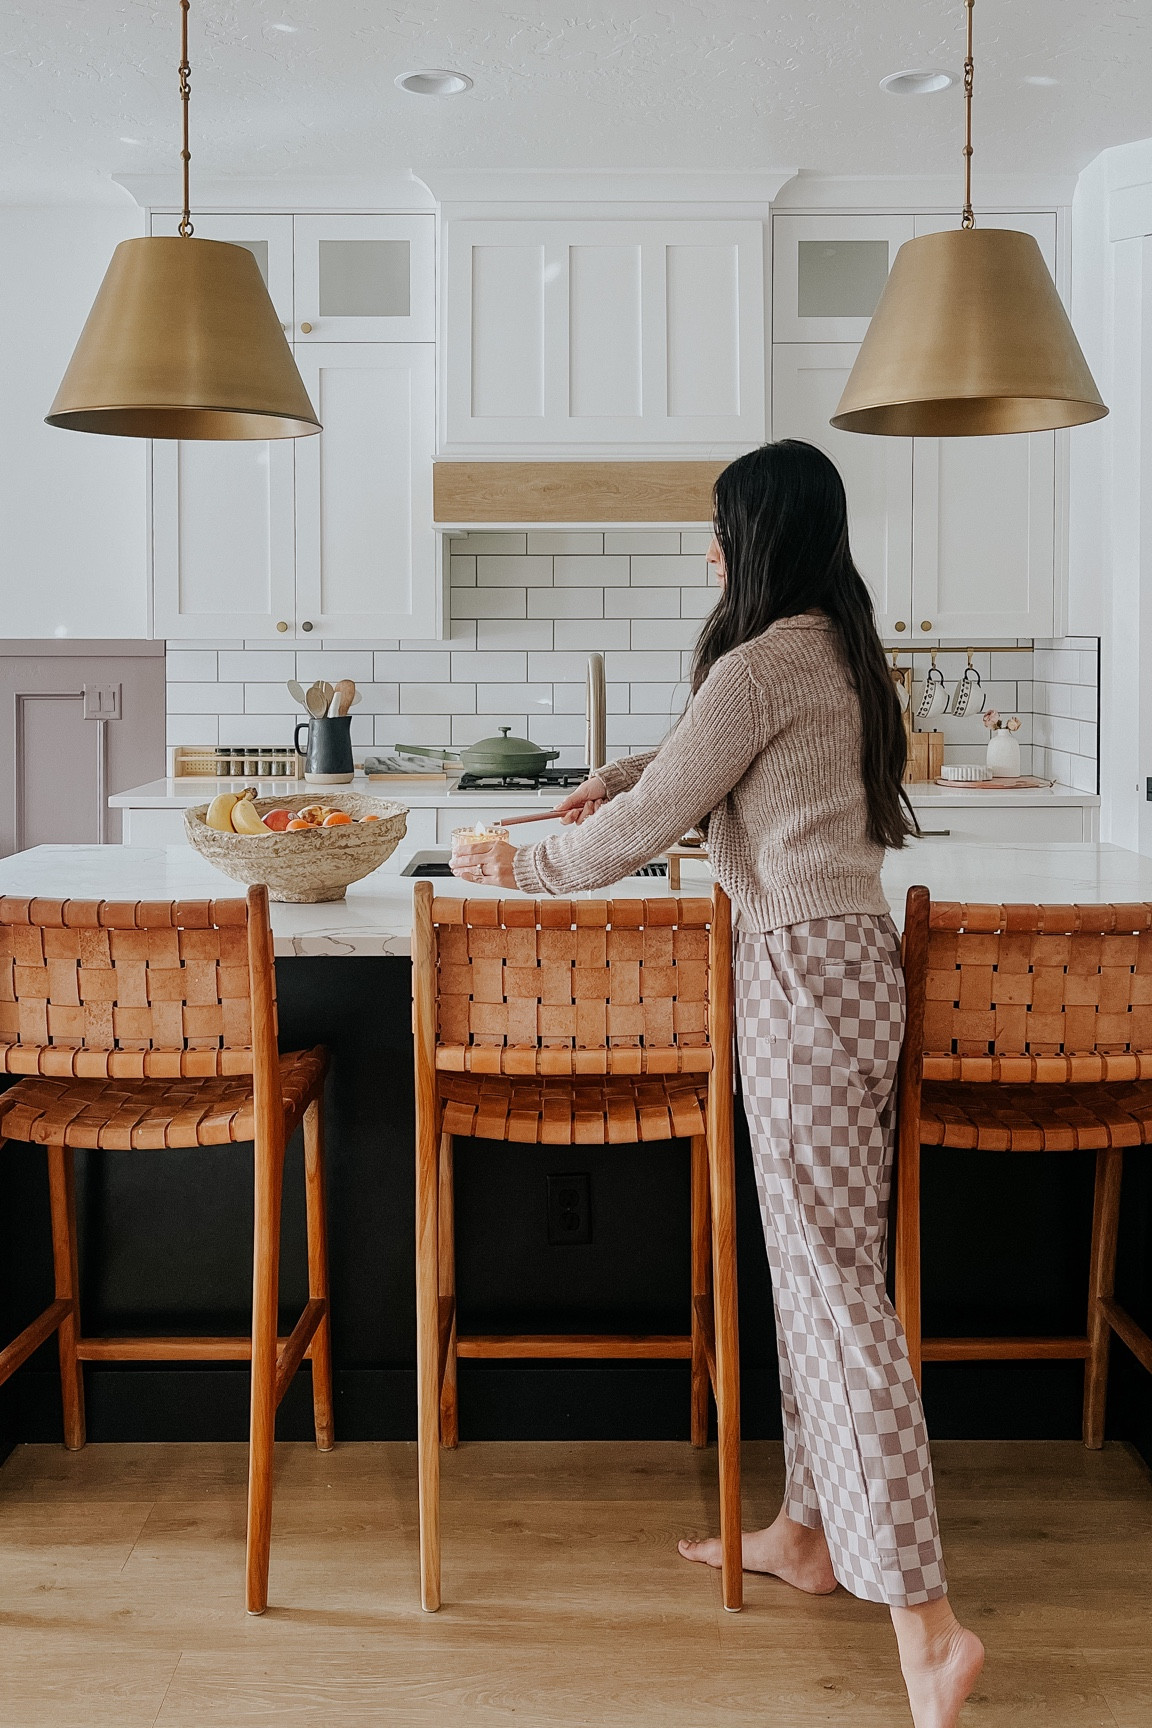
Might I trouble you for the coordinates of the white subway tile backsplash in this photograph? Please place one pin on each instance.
(206, 699)
(593, 634)
(267, 699)
(392, 729)
(182, 666)
(414, 665)
(584, 572)
(665, 632)
(513, 633)
(544, 668)
(572, 698)
(381, 698)
(334, 663)
(437, 698)
(671, 572)
(501, 543)
(698, 602)
(551, 540)
(695, 540)
(471, 728)
(505, 698)
(664, 699)
(462, 572)
(513, 572)
(192, 729)
(490, 602)
(633, 540)
(641, 602)
(566, 602)
(490, 665)
(462, 633)
(552, 731)
(661, 668)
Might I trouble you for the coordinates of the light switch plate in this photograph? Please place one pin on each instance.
(101, 701)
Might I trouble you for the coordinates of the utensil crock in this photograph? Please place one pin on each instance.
(328, 755)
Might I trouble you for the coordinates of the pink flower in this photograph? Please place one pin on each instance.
(991, 719)
(1013, 725)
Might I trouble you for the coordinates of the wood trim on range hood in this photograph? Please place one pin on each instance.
(471, 493)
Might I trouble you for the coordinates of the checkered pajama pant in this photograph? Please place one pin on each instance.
(820, 1015)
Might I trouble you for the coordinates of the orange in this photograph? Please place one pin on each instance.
(296, 824)
(337, 819)
(369, 818)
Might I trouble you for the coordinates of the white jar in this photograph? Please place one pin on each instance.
(1003, 754)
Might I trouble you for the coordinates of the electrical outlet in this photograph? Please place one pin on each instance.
(569, 1209)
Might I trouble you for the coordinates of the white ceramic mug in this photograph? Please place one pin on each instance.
(934, 695)
(969, 697)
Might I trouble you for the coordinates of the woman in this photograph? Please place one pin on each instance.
(792, 749)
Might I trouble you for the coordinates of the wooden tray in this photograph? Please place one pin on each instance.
(1001, 783)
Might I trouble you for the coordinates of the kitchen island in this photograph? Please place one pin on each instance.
(166, 1236)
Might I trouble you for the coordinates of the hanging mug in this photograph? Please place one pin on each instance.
(934, 696)
(970, 696)
(328, 757)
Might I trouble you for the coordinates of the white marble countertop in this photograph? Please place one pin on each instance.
(376, 916)
(437, 792)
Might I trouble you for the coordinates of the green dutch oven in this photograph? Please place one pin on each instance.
(491, 756)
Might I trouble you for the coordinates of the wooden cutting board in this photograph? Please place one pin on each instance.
(1002, 783)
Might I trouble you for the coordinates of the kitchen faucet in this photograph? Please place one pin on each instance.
(595, 751)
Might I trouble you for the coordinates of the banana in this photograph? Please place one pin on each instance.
(246, 819)
(219, 812)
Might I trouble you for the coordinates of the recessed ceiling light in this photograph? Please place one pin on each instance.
(288, 29)
(1041, 79)
(926, 82)
(436, 82)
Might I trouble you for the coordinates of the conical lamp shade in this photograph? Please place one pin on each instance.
(969, 337)
(183, 342)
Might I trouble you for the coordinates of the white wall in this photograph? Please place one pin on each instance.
(1110, 512)
(73, 506)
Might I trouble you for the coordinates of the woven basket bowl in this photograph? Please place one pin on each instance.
(313, 864)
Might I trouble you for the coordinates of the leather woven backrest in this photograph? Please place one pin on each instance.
(125, 988)
(1028, 992)
(572, 986)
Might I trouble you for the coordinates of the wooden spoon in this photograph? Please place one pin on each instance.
(316, 702)
(343, 696)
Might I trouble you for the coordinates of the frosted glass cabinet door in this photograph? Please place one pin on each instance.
(365, 278)
(366, 552)
(828, 272)
(223, 558)
(268, 238)
(807, 380)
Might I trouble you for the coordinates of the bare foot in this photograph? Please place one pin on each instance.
(786, 1550)
(940, 1660)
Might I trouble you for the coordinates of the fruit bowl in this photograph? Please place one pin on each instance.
(312, 864)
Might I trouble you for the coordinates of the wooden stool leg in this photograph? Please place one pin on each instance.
(269, 1180)
(723, 1191)
(908, 1246)
(428, 1357)
(701, 1287)
(316, 1203)
(1101, 1288)
(62, 1194)
(449, 1408)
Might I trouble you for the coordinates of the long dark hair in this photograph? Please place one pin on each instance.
(781, 519)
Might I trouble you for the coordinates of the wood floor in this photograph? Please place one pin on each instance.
(122, 1590)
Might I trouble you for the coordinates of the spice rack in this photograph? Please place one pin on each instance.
(251, 762)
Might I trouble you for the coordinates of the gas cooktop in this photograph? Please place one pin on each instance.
(541, 780)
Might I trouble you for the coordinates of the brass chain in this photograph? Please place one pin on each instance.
(968, 219)
(185, 95)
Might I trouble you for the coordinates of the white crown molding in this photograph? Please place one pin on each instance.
(923, 192)
(598, 188)
(282, 192)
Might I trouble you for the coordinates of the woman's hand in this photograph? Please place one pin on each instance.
(486, 861)
(583, 802)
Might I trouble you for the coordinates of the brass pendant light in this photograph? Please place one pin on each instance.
(183, 341)
(969, 336)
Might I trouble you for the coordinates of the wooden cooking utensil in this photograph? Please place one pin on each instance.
(316, 702)
(536, 816)
(343, 696)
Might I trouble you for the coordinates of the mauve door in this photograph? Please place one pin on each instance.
(78, 721)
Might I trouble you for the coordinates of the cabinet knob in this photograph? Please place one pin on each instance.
(307, 624)
(900, 624)
(926, 624)
(307, 329)
(281, 625)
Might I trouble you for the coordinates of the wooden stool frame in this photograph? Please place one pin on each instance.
(575, 1055)
(150, 1024)
(1029, 1029)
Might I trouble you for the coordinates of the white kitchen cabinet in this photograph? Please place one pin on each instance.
(807, 381)
(828, 272)
(367, 556)
(365, 278)
(613, 334)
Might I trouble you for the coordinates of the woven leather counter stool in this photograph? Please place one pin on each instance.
(576, 1022)
(1029, 1030)
(144, 1025)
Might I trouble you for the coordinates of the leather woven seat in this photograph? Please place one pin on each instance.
(122, 1114)
(573, 1112)
(1030, 1118)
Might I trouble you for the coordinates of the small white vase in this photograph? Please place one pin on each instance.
(1003, 754)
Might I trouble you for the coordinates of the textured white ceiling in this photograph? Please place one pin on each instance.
(88, 87)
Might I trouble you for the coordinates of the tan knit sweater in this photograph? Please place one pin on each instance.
(769, 750)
